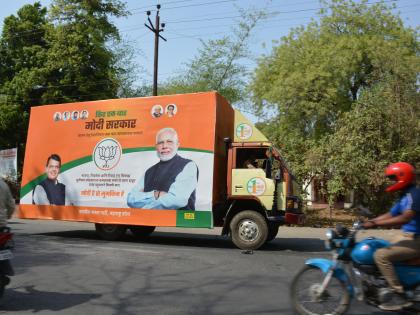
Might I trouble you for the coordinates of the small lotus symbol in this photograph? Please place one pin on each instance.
(107, 153)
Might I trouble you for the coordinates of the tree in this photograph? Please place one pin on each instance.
(23, 53)
(69, 52)
(320, 77)
(62, 54)
(381, 128)
(217, 64)
(80, 64)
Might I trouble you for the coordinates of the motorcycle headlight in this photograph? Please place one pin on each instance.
(357, 225)
(329, 234)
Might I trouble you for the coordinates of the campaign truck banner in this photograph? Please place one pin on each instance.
(8, 163)
(140, 161)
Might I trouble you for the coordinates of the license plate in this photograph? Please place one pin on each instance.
(5, 254)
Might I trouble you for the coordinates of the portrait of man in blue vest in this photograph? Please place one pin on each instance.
(50, 191)
(169, 184)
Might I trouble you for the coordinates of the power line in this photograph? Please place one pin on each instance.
(96, 83)
(273, 14)
(152, 6)
(196, 5)
(218, 18)
(197, 36)
(79, 96)
(231, 25)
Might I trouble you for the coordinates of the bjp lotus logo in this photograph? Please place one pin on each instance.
(107, 154)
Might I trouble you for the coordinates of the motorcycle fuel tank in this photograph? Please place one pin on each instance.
(363, 251)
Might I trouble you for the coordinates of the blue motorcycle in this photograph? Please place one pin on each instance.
(327, 286)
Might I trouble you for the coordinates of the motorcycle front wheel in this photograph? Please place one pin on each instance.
(307, 299)
(4, 280)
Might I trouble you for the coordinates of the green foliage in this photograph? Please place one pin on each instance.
(344, 96)
(11, 118)
(23, 54)
(217, 64)
(80, 65)
(57, 55)
(381, 128)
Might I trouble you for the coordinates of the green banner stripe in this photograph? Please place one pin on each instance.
(130, 150)
(194, 219)
(195, 150)
(67, 166)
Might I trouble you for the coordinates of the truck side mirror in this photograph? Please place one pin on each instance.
(268, 168)
(278, 175)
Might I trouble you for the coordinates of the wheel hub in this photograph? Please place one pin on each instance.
(316, 294)
(248, 230)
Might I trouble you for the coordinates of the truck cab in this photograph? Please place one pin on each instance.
(262, 193)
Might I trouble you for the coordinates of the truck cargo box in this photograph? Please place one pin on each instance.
(107, 146)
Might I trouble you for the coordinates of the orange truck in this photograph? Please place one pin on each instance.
(187, 160)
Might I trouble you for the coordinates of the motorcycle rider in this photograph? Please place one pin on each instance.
(405, 212)
(7, 203)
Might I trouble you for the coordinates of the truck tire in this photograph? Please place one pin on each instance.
(273, 229)
(141, 231)
(249, 230)
(110, 232)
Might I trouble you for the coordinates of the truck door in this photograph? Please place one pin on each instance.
(249, 176)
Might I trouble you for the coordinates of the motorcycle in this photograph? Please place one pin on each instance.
(327, 286)
(6, 269)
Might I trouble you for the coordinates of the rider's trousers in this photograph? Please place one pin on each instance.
(405, 247)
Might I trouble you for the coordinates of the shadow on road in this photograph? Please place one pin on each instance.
(200, 240)
(296, 245)
(30, 299)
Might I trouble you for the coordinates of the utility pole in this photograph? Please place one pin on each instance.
(159, 28)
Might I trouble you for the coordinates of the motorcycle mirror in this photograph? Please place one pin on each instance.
(277, 175)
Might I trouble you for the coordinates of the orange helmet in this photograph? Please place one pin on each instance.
(401, 174)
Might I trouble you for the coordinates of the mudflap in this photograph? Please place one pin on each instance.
(326, 265)
(6, 268)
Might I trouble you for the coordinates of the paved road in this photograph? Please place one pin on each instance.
(63, 268)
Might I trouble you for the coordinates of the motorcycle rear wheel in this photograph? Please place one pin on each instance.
(306, 299)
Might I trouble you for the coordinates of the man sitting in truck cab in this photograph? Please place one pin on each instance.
(250, 163)
(260, 159)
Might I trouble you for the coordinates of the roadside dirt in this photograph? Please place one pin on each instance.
(325, 217)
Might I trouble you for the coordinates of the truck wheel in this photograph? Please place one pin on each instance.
(249, 230)
(141, 231)
(110, 232)
(273, 229)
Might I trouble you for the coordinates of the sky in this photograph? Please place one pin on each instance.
(188, 21)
